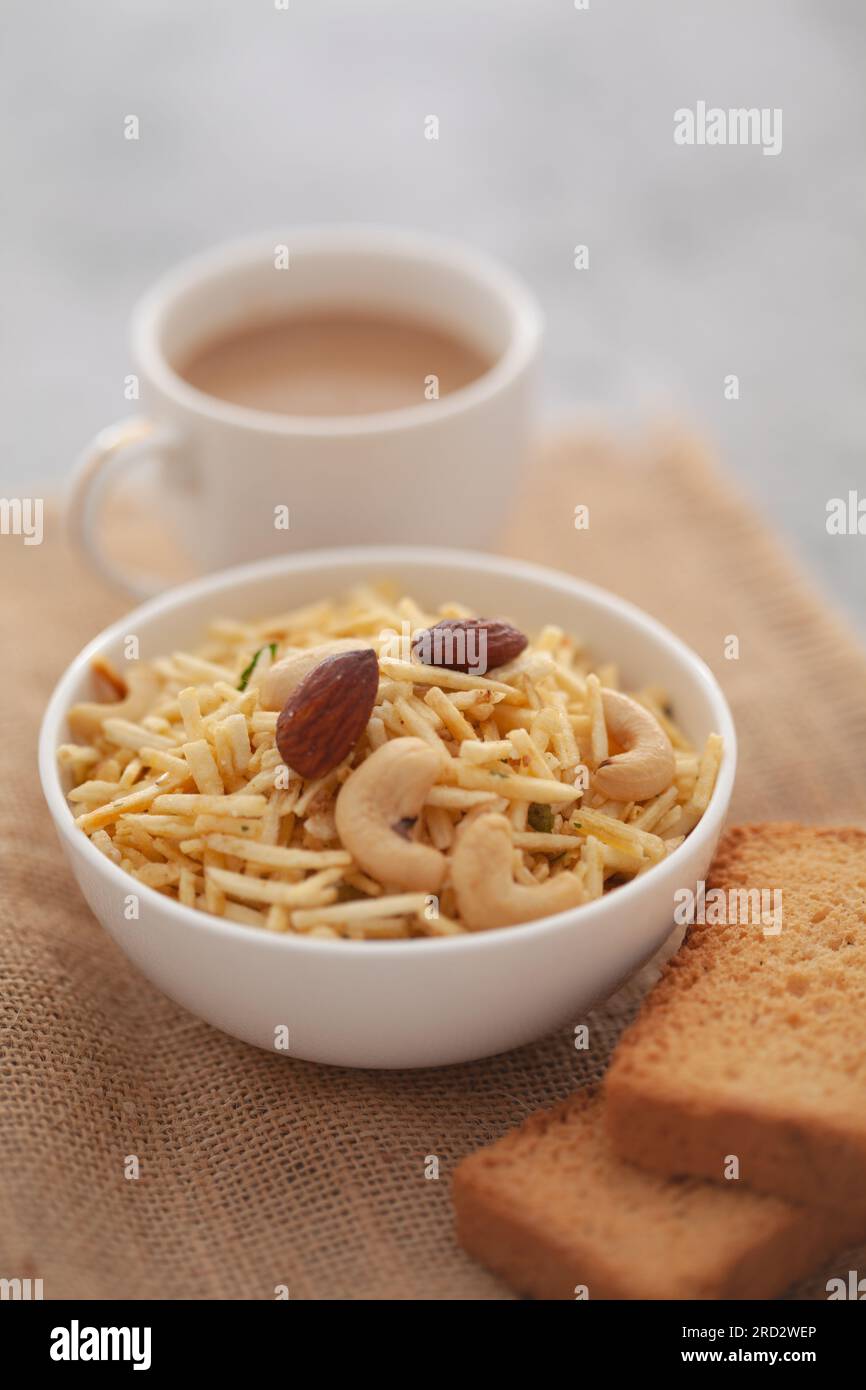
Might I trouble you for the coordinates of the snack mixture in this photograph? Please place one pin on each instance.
(366, 769)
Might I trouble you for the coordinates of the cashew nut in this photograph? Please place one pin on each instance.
(143, 686)
(387, 789)
(646, 765)
(487, 895)
(281, 679)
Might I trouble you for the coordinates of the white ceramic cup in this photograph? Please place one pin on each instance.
(442, 471)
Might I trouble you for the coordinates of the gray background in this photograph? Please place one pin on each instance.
(556, 128)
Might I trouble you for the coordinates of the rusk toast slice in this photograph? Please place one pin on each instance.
(752, 1047)
(554, 1211)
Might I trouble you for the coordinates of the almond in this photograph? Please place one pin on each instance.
(469, 644)
(327, 712)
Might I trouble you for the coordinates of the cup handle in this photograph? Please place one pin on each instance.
(114, 449)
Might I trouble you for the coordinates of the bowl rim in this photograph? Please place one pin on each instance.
(173, 599)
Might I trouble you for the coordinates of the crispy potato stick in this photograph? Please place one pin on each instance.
(186, 890)
(440, 926)
(541, 842)
(668, 822)
(247, 916)
(488, 751)
(419, 674)
(238, 741)
(703, 789)
(571, 683)
(599, 746)
(470, 699)
(106, 845)
(564, 741)
(278, 918)
(420, 727)
(190, 713)
(592, 859)
(395, 906)
(439, 827)
(203, 767)
(94, 791)
(710, 761)
(655, 810)
(186, 804)
(514, 786)
(165, 762)
(224, 758)
(376, 732)
(456, 799)
(260, 890)
(135, 800)
(158, 875)
(205, 824)
(618, 834)
(170, 827)
(135, 736)
(525, 744)
(276, 857)
(72, 755)
(443, 705)
(264, 721)
(508, 717)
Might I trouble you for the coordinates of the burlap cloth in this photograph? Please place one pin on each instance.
(256, 1170)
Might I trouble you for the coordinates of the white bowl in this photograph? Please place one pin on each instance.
(399, 1003)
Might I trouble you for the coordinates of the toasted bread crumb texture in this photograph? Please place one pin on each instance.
(754, 1044)
(550, 1207)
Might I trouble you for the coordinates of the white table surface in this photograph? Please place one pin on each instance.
(555, 128)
